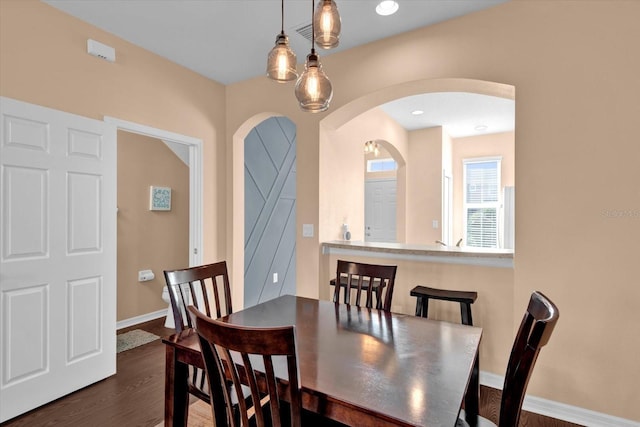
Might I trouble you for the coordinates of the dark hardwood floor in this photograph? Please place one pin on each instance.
(135, 395)
(132, 397)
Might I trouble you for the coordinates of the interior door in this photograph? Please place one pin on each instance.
(58, 254)
(380, 210)
(270, 211)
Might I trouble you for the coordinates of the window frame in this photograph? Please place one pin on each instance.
(497, 205)
(383, 162)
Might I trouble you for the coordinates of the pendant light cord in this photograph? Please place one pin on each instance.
(282, 17)
(313, 31)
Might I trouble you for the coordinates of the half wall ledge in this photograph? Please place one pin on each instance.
(500, 258)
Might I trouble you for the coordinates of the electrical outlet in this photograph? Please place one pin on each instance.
(145, 275)
(275, 277)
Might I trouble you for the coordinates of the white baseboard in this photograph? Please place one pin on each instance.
(560, 411)
(141, 319)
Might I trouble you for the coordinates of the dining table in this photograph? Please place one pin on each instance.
(358, 366)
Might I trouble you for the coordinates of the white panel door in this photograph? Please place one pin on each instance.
(58, 254)
(380, 210)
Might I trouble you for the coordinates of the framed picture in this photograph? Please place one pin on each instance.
(159, 198)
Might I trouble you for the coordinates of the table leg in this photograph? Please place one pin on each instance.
(472, 398)
(176, 395)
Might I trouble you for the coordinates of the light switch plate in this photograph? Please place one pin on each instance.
(307, 230)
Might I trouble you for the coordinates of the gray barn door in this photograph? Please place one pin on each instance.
(270, 211)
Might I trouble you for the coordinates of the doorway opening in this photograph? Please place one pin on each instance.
(192, 153)
(269, 211)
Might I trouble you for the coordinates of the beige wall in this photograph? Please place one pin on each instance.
(424, 186)
(154, 240)
(343, 170)
(44, 60)
(492, 145)
(575, 70)
(577, 229)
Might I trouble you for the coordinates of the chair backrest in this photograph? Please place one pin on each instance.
(356, 278)
(536, 328)
(205, 286)
(249, 357)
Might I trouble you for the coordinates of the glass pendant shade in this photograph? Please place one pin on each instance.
(327, 24)
(313, 88)
(281, 62)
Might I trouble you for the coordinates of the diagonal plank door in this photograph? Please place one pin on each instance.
(270, 210)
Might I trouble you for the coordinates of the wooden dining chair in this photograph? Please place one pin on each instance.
(534, 333)
(207, 288)
(371, 279)
(356, 278)
(249, 356)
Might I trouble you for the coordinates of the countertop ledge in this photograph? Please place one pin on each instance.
(431, 253)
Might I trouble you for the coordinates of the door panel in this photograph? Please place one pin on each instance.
(84, 208)
(380, 210)
(25, 214)
(57, 276)
(20, 367)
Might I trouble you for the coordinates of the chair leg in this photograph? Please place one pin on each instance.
(425, 307)
(422, 307)
(465, 313)
(419, 306)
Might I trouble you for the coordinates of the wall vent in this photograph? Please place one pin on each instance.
(305, 31)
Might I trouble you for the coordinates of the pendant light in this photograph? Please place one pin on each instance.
(281, 62)
(313, 88)
(371, 147)
(327, 22)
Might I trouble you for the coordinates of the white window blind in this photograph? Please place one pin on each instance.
(482, 201)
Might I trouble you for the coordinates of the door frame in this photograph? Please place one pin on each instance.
(195, 177)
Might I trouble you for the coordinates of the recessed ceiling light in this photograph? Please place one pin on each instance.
(481, 127)
(417, 112)
(387, 7)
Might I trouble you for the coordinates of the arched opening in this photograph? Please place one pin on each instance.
(239, 238)
(426, 202)
(270, 211)
(384, 181)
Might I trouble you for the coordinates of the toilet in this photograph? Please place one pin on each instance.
(168, 323)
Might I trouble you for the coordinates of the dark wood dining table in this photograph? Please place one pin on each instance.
(362, 367)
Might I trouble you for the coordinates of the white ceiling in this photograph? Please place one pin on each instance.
(461, 114)
(228, 40)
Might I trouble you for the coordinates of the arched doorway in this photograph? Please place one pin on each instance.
(269, 210)
(345, 130)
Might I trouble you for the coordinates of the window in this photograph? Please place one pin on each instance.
(381, 165)
(481, 201)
